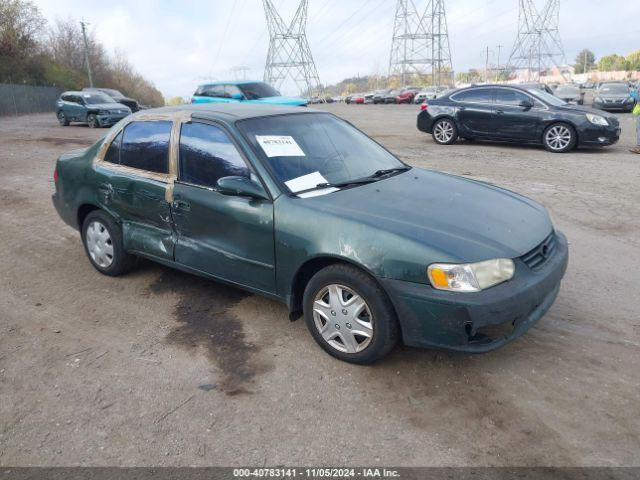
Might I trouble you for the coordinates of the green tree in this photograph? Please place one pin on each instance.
(585, 61)
(633, 60)
(612, 63)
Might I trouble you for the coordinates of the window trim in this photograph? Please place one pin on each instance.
(233, 142)
(150, 172)
(534, 99)
(492, 102)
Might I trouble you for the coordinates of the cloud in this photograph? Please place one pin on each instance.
(178, 44)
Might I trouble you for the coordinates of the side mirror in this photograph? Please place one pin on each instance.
(237, 96)
(241, 186)
(526, 104)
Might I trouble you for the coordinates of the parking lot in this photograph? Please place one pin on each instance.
(162, 368)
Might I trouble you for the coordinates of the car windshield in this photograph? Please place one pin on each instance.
(614, 89)
(113, 93)
(256, 90)
(96, 98)
(307, 150)
(547, 97)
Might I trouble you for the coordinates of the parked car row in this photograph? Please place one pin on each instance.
(95, 107)
(396, 96)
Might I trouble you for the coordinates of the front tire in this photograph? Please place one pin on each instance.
(559, 138)
(349, 315)
(102, 240)
(445, 131)
(92, 121)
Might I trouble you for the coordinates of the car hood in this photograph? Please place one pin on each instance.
(465, 219)
(294, 101)
(110, 106)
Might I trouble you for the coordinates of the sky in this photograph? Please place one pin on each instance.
(179, 44)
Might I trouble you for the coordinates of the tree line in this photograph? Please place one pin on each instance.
(34, 52)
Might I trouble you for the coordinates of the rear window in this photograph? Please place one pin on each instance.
(479, 95)
(145, 145)
(113, 154)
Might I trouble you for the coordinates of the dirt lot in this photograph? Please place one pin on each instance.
(162, 368)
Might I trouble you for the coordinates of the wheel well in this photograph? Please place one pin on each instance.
(83, 211)
(305, 273)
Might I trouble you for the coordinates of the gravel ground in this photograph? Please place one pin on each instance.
(162, 368)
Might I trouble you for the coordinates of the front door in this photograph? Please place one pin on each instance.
(229, 237)
(135, 192)
(514, 121)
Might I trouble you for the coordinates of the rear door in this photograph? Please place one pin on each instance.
(475, 111)
(135, 192)
(229, 237)
(513, 121)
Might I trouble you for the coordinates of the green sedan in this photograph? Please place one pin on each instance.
(300, 206)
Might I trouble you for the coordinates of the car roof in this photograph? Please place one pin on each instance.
(79, 92)
(229, 111)
(230, 82)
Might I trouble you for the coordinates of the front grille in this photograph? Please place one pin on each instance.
(537, 257)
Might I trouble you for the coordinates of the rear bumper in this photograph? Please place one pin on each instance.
(425, 122)
(65, 211)
(483, 321)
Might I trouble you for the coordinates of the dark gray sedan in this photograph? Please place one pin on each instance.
(614, 97)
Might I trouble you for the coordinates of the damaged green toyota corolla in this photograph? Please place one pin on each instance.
(302, 207)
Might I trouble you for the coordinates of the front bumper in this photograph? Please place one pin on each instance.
(593, 135)
(614, 107)
(110, 119)
(483, 321)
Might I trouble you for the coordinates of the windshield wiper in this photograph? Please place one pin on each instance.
(382, 173)
(374, 177)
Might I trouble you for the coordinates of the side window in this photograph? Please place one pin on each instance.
(208, 154)
(145, 145)
(478, 95)
(232, 90)
(113, 153)
(214, 91)
(65, 98)
(505, 96)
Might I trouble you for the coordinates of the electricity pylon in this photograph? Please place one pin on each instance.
(538, 45)
(420, 43)
(289, 53)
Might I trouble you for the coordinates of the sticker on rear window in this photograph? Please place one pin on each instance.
(279, 146)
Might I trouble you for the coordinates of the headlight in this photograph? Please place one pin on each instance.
(597, 119)
(103, 112)
(470, 277)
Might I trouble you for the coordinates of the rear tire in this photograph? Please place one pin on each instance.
(445, 131)
(559, 138)
(102, 240)
(349, 315)
(62, 119)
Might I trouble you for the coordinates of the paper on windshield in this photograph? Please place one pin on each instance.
(305, 182)
(279, 146)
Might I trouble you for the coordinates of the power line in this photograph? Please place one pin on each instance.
(289, 55)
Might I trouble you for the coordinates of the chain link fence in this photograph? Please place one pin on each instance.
(24, 99)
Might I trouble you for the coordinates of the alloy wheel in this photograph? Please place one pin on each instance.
(99, 244)
(343, 318)
(558, 137)
(443, 131)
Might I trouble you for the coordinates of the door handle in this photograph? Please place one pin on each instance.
(181, 205)
(105, 187)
